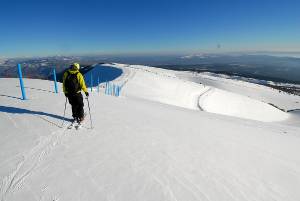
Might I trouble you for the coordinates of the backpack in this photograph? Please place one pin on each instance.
(71, 83)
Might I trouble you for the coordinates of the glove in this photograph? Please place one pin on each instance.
(87, 94)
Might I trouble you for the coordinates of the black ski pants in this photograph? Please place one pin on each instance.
(76, 101)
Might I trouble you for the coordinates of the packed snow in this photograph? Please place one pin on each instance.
(143, 146)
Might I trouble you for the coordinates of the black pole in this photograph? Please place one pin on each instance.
(90, 112)
(64, 113)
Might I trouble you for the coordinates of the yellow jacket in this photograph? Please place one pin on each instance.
(80, 80)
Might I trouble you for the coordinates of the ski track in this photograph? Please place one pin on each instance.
(169, 179)
(203, 95)
(236, 182)
(182, 178)
(131, 70)
(200, 78)
(175, 177)
(15, 180)
(12, 120)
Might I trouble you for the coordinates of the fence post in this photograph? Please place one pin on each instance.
(21, 82)
(55, 81)
(107, 88)
(110, 90)
(98, 85)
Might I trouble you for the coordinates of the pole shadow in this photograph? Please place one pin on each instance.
(37, 89)
(7, 96)
(14, 110)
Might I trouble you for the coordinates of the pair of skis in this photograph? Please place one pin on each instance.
(75, 124)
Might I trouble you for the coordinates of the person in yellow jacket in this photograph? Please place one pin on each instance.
(73, 83)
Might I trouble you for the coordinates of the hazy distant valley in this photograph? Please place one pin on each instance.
(281, 72)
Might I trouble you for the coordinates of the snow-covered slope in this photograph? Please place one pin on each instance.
(141, 149)
(232, 104)
(259, 92)
(165, 87)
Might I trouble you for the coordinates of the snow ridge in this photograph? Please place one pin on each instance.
(165, 87)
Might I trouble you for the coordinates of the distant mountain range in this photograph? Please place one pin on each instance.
(277, 69)
(280, 68)
(42, 68)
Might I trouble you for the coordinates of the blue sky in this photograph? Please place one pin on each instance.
(40, 28)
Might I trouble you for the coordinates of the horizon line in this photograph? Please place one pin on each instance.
(188, 53)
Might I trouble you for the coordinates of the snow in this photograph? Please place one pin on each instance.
(143, 146)
(227, 103)
(255, 91)
(165, 87)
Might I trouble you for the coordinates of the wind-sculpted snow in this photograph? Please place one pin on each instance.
(163, 86)
(255, 91)
(227, 103)
(141, 149)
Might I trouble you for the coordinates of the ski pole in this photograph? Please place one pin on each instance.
(64, 113)
(90, 112)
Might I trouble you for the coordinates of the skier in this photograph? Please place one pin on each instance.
(73, 83)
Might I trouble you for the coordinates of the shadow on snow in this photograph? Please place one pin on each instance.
(7, 96)
(14, 110)
(104, 73)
